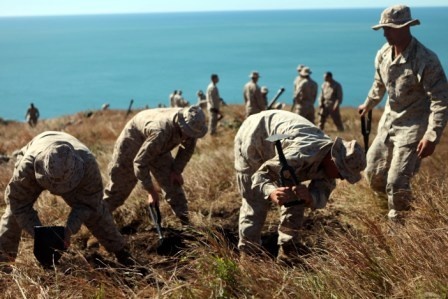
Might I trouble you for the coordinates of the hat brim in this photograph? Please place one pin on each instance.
(338, 151)
(397, 26)
(58, 187)
(186, 128)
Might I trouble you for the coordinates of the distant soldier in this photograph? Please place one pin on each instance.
(252, 96)
(329, 102)
(213, 103)
(32, 115)
(172, 95)
(264, 93)
(296, 83)
(202, 100)
(179, 100)
(144, 148)
(61, 164)
(305, 95)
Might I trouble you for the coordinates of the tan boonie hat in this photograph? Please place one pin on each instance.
(349, 159)
(264, 89)
(254, 74)
(300, 67)
(396, 16)
(305, 71)
(191, 121)
(58, 168)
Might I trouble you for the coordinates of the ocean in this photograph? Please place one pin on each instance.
(69, 64)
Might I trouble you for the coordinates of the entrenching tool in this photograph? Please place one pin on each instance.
(48, 244)
(279, 93)
(366, 124)
(154, 212)
(285, 180)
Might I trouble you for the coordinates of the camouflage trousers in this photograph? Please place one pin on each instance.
(122, 180)
(253, 212)
(327, 111)
(100, 223)
(305, 111)
(213, 122)
(390, 169)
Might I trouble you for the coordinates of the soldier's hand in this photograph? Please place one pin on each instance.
(282, 195)
(153, 197)
(362, 110)
(425, 148)
(303, 193)
(176, 178)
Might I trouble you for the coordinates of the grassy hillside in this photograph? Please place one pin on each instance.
(353, 252)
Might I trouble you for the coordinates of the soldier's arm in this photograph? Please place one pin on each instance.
(184, 154)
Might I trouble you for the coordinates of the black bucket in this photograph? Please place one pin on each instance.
(48, 244)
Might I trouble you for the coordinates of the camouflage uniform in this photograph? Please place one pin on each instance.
(331, 92)
(83, 193)
(257, 171)
(253, 99)
(144, 148)
(213, 105)
(304, 98)
(32, 115)
(416, 109)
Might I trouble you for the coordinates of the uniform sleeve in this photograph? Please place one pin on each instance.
(21, 194)
(150, 149)
(339, 94)
(435, 84)
(378, 88)
(85, 199)
(184, 154)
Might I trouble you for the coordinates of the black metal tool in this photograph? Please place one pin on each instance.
(154, 212)
(279, 93)
(366, 124)
(287, 174)
(48, 244)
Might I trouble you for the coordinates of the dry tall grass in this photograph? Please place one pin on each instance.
(356, 253)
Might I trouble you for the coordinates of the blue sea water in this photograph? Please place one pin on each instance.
(75, 63)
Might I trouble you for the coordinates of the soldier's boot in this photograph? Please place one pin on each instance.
(292, 254)
(125, 258)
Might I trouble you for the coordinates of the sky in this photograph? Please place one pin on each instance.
(77, 7)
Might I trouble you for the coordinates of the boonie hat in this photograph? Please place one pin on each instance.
(191, 121)
(300, 67)
(264, 89)
(58, 168)
(396, 16)
(349, 159)
(305, 71)
(254, 74)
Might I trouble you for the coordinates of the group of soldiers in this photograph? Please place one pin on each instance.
(280, 157)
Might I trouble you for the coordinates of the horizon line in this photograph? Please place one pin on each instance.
(203, 11)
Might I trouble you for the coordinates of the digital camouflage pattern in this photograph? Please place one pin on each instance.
(84, 198)
(416, 109)
(257, 167)
(253, 98)
(305, 97)
(213, 106)
(331, 92)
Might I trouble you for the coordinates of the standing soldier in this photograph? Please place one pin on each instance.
(415, 114)
(312, 155)
(305, 95)
(172, 96)
(329, 102)
(296, 84)
(213, 103)
(61, 164)
(252, 96)
(144, 148)
(264, 93)
(32, 115)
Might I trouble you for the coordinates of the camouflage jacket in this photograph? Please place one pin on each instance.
(331, 91)
(213, 98)
(253, 98)
(155, 132)
(306, 93)
(304, 151)
(23, 189)
(417, 90)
